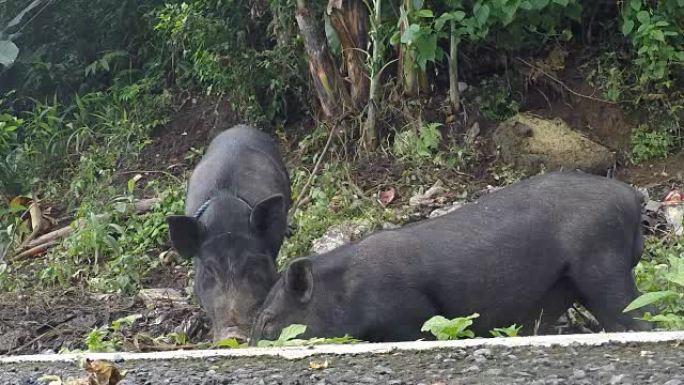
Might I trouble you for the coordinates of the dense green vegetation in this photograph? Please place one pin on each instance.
(85, 86)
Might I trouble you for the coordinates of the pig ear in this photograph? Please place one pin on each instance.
(185, 234)
(299, 279)
(267, 213)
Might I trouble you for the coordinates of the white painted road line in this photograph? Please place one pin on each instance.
(365, 348)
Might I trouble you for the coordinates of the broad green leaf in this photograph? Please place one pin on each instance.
(291, 332)
(563, 3)
(644, 17)
(649, 298)
(8, 52)
(526, 5)
(228, 343)
(627, 27)
(635, 5)
(396, 37)
(425, 13)
(481, 14)
(427, 49)
(676, 276)
(448, 16)
(125, 321)
(658, 35)
(445, 329)
(539, 4)
(411, 33)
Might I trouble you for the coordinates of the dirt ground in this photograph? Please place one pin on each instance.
(48, 321)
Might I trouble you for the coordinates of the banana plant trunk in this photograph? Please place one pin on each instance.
(327, 81)
(370, 133)
(412, 77)
(350, 20)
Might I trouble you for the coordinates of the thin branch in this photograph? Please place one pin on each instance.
(302, 193)
(563, 84)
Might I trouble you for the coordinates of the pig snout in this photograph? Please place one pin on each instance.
(230, 332)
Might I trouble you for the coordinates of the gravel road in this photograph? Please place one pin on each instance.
(612, 364)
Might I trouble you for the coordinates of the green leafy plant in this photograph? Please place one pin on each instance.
(656, 33)
(650, 144)
(497, 103)
(511, 331)
(450, 329)
(288, 337)
(660, 277)
(230, 343)
(109, 338)
(420, 145)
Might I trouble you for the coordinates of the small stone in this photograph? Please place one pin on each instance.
(395, 382)
(480, 359)
(462, 86)
(617, 379)
(383, 370)
(493, 372)
(674, 382)
(471, 369)
(368, 380)
(578, 374)
(483, 352)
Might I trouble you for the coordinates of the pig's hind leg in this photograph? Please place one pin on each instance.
(606, 286)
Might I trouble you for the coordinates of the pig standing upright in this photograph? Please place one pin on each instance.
(236, 219)
(536, 245)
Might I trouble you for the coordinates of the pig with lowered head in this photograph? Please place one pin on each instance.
(234, 224)
(528, 249)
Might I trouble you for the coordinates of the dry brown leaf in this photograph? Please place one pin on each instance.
(102, 373)
(79, 381)
(387, 196)
(318, 364)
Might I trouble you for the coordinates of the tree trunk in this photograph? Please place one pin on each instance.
(454, 96)
(369, 128)
(413, 78)
(350, 20)
(327, 81)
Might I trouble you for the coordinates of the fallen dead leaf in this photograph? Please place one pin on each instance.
(80, 381)
(50, 379)
(318, 364)
(102, 373)
(387, 196)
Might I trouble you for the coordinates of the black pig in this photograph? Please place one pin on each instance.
(236, 220)
(536, 245)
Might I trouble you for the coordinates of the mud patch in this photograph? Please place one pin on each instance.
(668, 172)
(193, 126)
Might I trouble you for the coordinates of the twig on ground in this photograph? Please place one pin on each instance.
(570, 90)
(35, 251)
